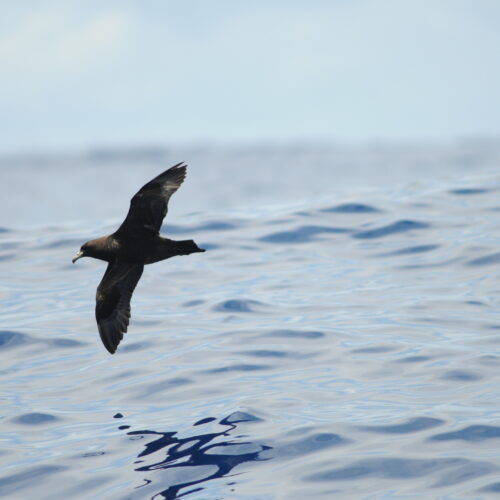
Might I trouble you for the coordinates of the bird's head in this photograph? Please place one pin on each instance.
(100, 248)
(84, 251)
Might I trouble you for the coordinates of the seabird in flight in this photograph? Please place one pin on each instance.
(136, 242)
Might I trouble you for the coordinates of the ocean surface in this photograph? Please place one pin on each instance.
(340, 338)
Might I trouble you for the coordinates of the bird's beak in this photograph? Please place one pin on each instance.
(79, 255)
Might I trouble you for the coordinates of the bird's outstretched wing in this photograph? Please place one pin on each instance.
(113, 296)
(149, 205)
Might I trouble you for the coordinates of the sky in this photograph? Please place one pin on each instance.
(82, 74)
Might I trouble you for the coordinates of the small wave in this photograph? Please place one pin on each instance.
(301, 234)
(238, 305)
(351, 208)
(35, 419)
(12, 339)
(452, 470)
(487, 260)
(240, 367)
(412, 425)
(396, 227)
(491, 488)
(470, 433)
(412, 250)
(376, 349)
(461, 376)
(468, 191)
(309, 444)
(414, 359)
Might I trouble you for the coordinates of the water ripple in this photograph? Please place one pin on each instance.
(470, 433)
(412, 425)
(351, 208)
(302, 234)
(396, 227)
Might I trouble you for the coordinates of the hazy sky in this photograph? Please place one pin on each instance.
(86, 73)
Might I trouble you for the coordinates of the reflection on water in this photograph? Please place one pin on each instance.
(187, 463)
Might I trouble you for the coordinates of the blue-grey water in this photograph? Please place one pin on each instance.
(340, 338)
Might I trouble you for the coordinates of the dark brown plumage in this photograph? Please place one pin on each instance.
(136, 242)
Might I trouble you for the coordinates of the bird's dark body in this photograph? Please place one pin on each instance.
(137, 242)
(143, 250)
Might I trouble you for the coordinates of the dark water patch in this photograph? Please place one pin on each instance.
(307, 334)
(474, 303)
(491, 488)
(10, 339)
(302, 234)
(205, 421)
(264, 353)
(466, 472)
(470, 433)
(185, 464)
(461, 376)
(468, 191)
(372, 350)
(412, 425)
(216, 226)
(414, 359)
(13, 483)
(309, 444)
(487, 260)
(400, 226)
(387, 468)
(7, 256)
(35, 419)
(351, 208)
(412, 250)
(489, 359)
(192, 303)
(4, 230)
(240, 367)
(238, 306)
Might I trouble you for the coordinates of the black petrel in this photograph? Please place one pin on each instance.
(136, 242)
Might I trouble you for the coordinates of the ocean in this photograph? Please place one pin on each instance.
(338, 339)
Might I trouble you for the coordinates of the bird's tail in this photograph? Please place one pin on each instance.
(165, 248)
(185, 247)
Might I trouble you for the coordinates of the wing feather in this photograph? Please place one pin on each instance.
(113, 296)
(149, 205)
